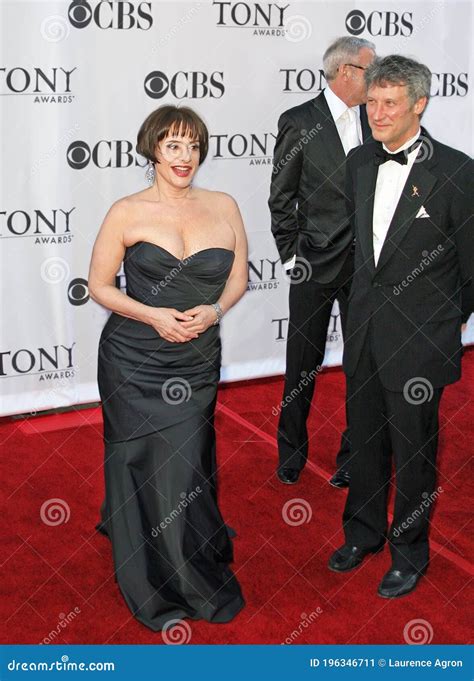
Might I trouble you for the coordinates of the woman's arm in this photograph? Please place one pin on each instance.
(107, 256)
(238, 279)
(205, 315)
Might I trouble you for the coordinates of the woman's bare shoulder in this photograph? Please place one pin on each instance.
(218, 199)
(126, 205)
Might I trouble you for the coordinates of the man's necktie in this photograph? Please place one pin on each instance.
(347, 124)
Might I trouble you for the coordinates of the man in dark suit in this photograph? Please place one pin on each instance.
(313, 235)
(410, 198)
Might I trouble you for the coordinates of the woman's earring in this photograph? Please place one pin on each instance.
(150, 173)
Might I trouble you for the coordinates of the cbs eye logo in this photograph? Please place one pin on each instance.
(107, 14)
(78, 291)
(80, 13)
(156, 84)
(355, 22)
(78, 155)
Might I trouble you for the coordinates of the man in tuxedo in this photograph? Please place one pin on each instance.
(410, 201)
(313, 235)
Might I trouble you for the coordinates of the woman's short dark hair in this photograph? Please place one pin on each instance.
(174, 120)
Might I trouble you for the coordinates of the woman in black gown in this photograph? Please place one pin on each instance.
(185, 260)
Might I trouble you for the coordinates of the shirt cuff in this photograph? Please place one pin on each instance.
(289, 264)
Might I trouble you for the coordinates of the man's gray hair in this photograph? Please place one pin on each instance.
(398, 70)
(342, 51)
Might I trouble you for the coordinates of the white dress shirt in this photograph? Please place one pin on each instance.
(391, 178)
(348, 126)
(347, 120)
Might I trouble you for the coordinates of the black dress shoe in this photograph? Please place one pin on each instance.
(397, 583)
(349, 557)
(288, 475)
(340, 479)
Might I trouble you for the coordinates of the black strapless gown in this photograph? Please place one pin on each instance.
(171, 547)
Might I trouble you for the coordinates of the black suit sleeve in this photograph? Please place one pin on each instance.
(463, 222)
(284, 190)
(349, 188)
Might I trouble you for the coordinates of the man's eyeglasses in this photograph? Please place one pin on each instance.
(356, 66)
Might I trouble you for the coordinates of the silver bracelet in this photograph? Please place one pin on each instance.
(219, 313)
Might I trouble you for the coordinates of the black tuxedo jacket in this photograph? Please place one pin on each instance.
(422, 287)
(307, 203)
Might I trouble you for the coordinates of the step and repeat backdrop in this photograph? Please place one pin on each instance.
(76, 81)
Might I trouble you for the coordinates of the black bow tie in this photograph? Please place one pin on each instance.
(382, 156)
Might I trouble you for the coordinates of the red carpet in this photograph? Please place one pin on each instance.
(59, 577)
